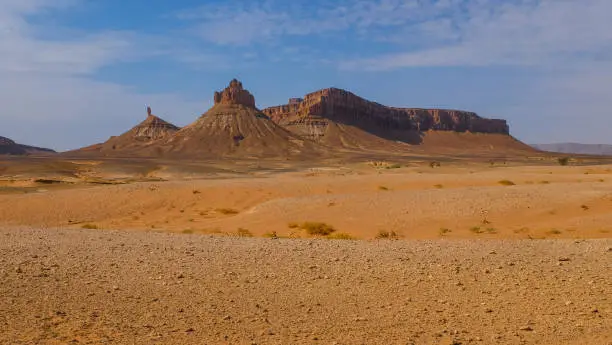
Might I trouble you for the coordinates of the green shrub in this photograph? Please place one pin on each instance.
(563, 161)
(444, 231)
(387, 235)
(242, 232)
(476, 230)
(318, 228)
(340, 236)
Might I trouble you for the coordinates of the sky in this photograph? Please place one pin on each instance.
(74, 72)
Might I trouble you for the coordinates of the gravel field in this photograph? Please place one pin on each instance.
(118, 287)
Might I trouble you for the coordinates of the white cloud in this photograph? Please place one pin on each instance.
(528, 32)
(47, 96)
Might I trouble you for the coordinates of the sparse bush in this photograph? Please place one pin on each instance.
(492, 230)
(195, 191)
(506, 183)
(563, 161)
(90, 226)
(227, 211)
(476, 230)
(393, 166)
(584, 207)
(544, 182)
(318, 228)
(242, 232)
(444, 231)
(435, 164)
(383, 188)
(554, 232)
(293, 225)
(387, 235)
(271, 234)
(187, 231)
(340, 236)
(439, 186)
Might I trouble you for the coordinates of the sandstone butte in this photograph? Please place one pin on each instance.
(235, 127)
(318, 108)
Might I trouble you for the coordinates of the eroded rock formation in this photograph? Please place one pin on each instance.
(235, 94)
(341, 106)
(153, 128)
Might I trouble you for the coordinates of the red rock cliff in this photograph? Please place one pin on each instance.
(235, 94)
(346, 107)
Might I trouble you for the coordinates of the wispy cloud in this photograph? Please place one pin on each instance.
(249, 22)
(528, 32)
(48, 86)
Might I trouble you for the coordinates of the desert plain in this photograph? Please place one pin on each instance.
(416, 249)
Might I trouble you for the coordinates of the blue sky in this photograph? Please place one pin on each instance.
(74, 72)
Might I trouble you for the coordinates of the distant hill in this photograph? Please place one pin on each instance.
(9, 147)
(576, 148)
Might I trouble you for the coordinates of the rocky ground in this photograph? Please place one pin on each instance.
(102, 287)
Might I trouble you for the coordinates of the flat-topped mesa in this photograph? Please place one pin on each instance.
(235, 94)
(346, 107)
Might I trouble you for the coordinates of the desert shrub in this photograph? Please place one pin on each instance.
(293, 225)
(227, 211)
(242, 232)
(584, 207)
(476, 230)
(444, 231)
(563, 161)
(544, 182)
(506, 183)
(393, 166)
(318, 228)
(90, 226)
(187, 231)
(195, 191)
(492, 230)
(271, 234)
(435, 164)
(554, 232)
(438, 186)
(383, 188)
(340, 236)
(387, 235)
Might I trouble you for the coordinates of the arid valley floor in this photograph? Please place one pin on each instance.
(484, 250)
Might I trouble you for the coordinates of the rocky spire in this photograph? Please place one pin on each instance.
(235, 94)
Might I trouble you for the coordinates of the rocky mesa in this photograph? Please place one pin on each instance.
(332, 104)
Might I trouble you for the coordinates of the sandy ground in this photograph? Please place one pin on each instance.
(116, 287)
(415, 202)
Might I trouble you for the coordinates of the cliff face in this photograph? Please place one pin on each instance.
(235, 94)
(317, 108)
